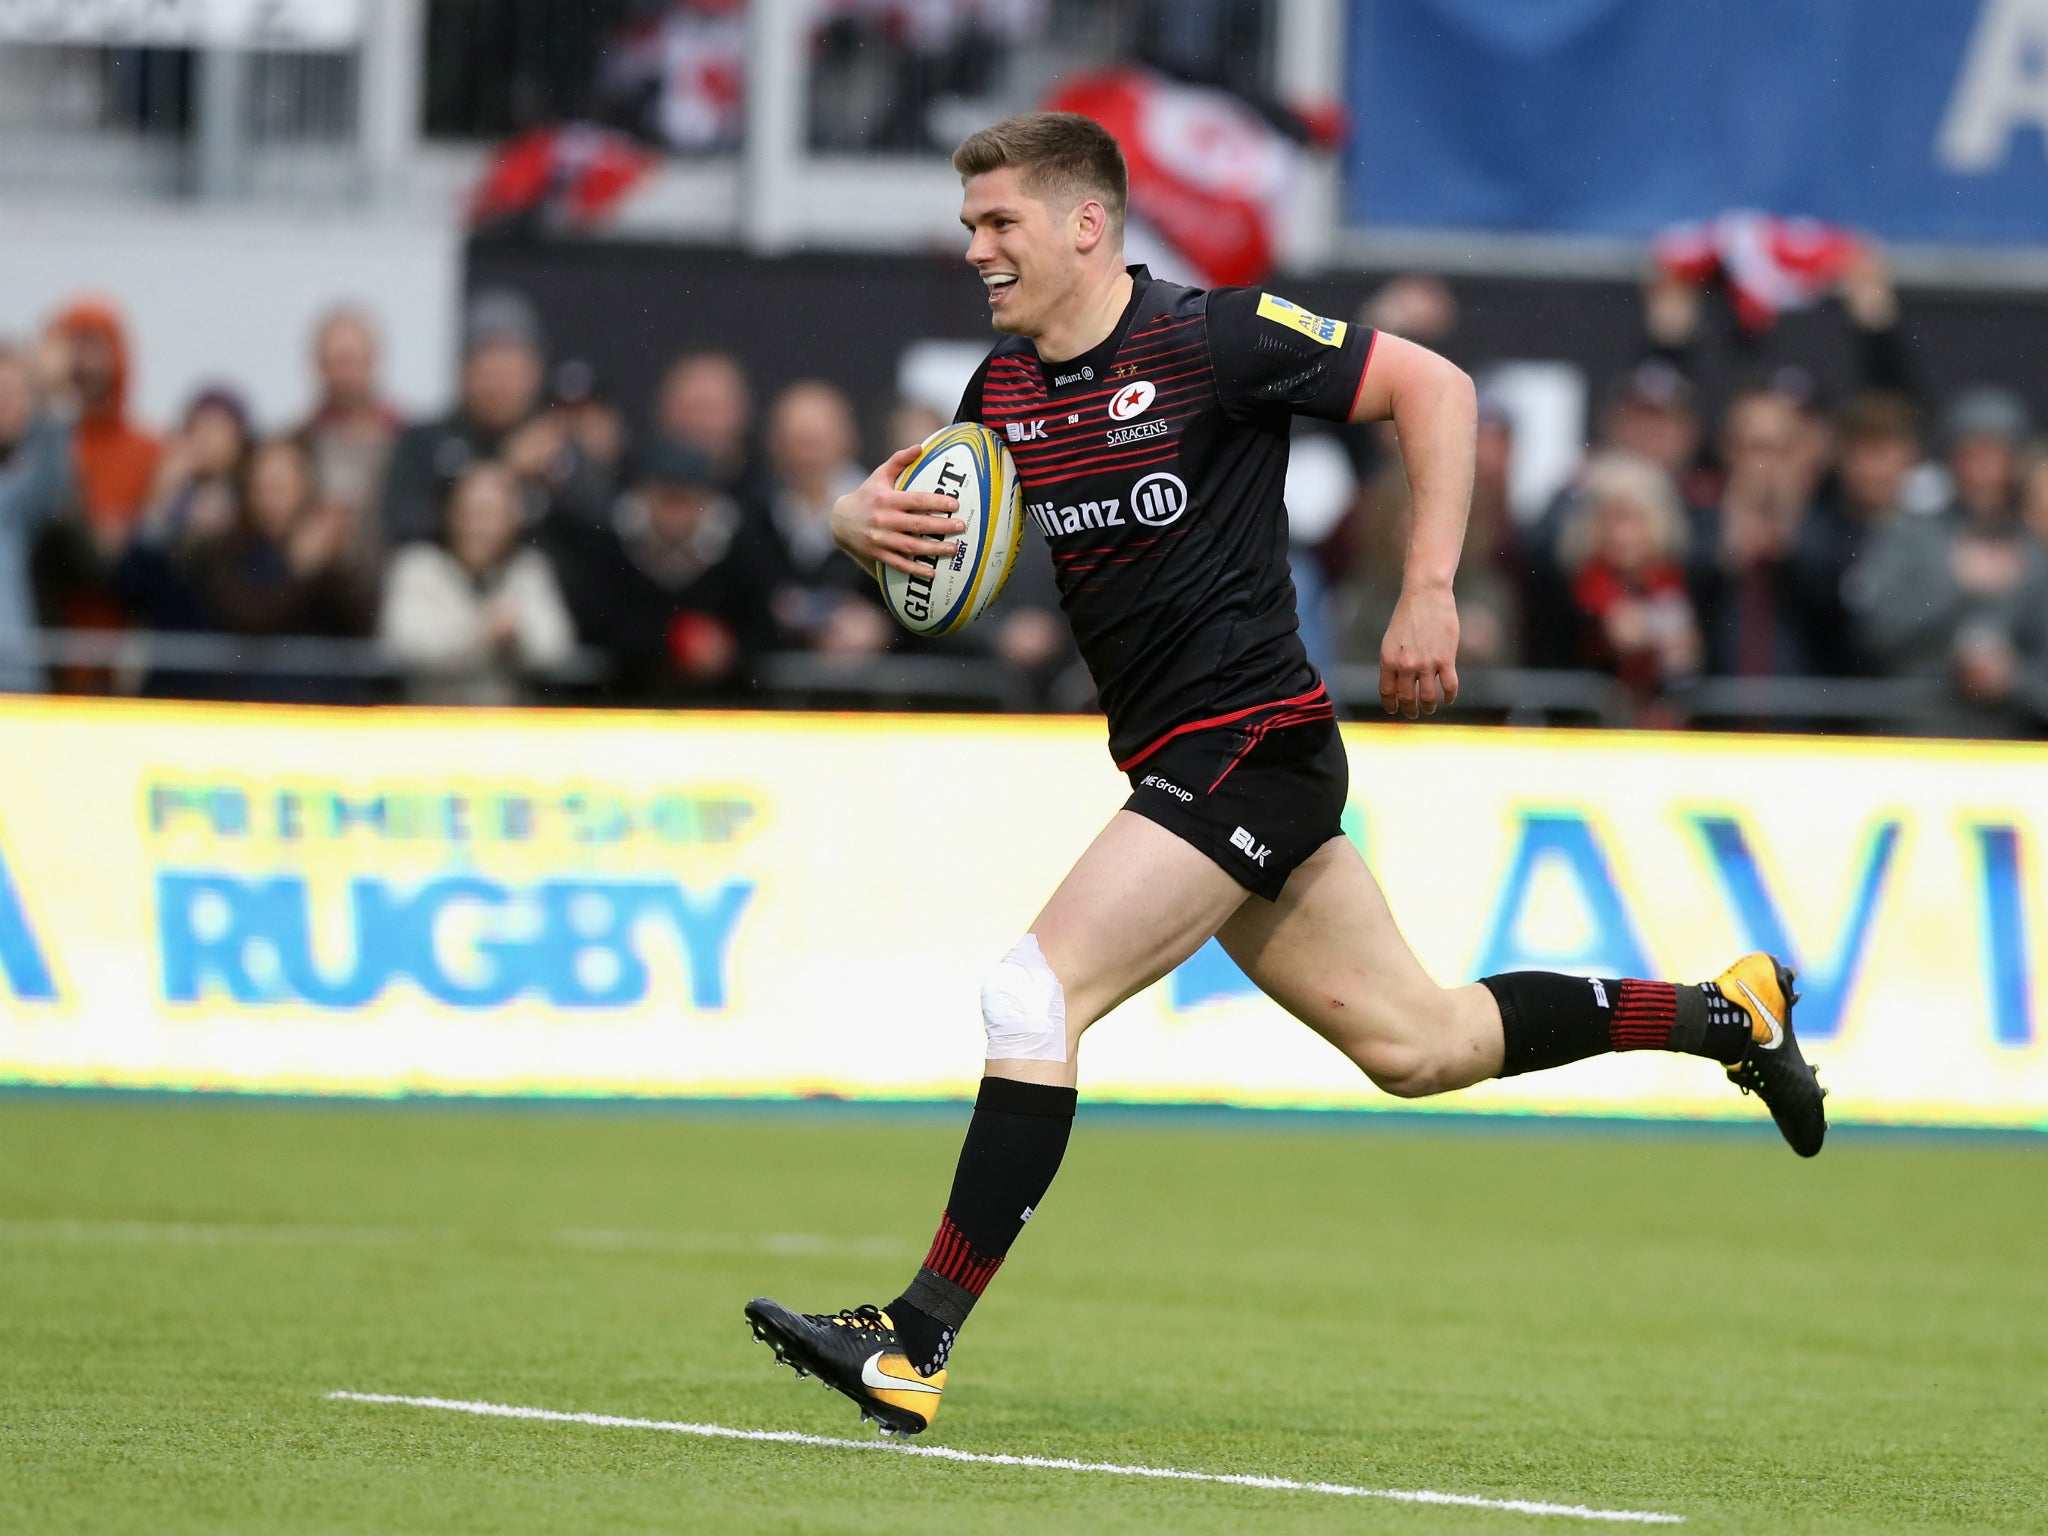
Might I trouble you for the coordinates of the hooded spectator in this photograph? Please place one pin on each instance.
(470, 619)
(114, 464)
(683, 605)
(823, 601)
(116, 460)
(349, 435)
(36, 485)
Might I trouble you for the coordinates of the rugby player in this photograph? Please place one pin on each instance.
(1149, 423)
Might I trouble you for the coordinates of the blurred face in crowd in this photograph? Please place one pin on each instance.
(1874, 468)
(213, 436)
(811, 435)
(1666, 435)
(676, 512)
(17, 398)
(1983, 468)
(704, 401)
(92, 367)
(911, 423)
(1761, 446)
(1415, 306)
(345, 352)
(2034, 499)
(279, 488)
(1026, 251)
(484, 514)
(1493, 451)
(1625, 533)
(501, 384)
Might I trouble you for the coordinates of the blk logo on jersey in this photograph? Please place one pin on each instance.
(1158, 499)
(1132, 400)
(1023, 431)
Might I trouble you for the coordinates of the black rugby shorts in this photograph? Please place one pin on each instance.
(1257, 803)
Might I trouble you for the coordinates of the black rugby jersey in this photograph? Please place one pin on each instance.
(1154, 466)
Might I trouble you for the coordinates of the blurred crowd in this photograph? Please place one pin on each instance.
(539, 540)
(1773, 534)
(486, 550)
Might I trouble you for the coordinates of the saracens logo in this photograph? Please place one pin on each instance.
(1158, 499)
(1132, 400)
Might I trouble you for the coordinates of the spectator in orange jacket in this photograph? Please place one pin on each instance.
(116, 460)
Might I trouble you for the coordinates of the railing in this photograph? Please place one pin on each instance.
(158, 661)
(134, 655)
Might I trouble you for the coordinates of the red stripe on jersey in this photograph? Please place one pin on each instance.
(1036, 470)
(1006, 392)
(1315, 693)
(1365, 367)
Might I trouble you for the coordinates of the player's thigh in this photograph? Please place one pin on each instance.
(1331, 954)
(1135, 905)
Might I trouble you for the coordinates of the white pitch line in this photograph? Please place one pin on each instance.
(1045, 1463)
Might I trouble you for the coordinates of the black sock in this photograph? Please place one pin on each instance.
(1013, 1148)
(1547, 1020)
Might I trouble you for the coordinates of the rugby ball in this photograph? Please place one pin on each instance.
(969, 462)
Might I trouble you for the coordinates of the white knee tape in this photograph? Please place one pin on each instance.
(1024, 1008)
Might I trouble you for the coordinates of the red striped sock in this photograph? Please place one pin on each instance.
(954, 1257)
(1644, 1013)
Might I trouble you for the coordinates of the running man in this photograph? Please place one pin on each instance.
(1149, 423)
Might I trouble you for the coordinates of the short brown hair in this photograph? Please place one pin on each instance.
(1059, 157)
(1880, 416)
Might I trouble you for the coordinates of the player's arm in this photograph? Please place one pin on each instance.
(1435, 413)
(875, 521)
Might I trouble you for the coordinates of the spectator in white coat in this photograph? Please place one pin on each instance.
(470, 619)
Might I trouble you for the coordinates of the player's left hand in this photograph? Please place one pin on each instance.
(1419, 657)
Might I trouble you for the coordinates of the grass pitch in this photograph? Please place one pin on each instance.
(1694, 1324)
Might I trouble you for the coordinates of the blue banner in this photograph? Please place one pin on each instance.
(1919, 120)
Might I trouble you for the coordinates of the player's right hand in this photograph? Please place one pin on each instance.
(904, 530)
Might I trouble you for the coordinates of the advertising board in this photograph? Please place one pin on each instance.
(614, 904)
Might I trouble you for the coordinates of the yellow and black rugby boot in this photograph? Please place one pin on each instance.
(854, 1352)
(1773, 1068)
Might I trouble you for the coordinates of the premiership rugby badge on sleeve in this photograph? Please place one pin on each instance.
(1281, 311)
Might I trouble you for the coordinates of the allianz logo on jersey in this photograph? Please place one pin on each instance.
(1155, 501)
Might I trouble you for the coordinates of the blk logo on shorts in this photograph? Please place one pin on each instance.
(1250, 847)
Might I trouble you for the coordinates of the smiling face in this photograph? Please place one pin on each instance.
(1030, 256)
